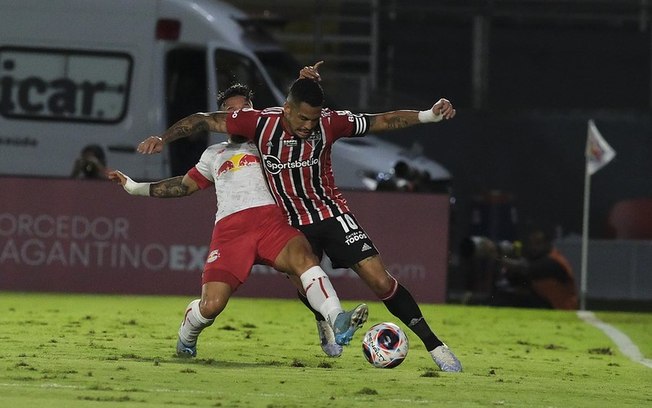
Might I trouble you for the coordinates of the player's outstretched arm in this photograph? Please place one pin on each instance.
(381, 122)
(179, 186)
(190, 125)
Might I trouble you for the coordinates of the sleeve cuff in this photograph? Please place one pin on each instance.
(202, 182)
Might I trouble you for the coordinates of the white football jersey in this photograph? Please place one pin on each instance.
(236, 172)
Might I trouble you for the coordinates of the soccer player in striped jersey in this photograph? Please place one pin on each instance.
(295, 143)
(249, 227)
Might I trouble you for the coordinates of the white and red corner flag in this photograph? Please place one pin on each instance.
(598, 151)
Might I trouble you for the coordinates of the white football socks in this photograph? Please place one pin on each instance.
(321, 294)
(192, 324)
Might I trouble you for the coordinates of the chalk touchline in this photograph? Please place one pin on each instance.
(625, 345)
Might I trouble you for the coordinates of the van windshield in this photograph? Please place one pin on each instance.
(281, 67)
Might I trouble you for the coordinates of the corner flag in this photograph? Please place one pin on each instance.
(598, 155)
(598, 151)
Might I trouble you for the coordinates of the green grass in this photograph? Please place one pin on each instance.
(638, 327)
(117, 351)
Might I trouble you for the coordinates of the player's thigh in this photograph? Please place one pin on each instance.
(283, 246)
(296, 256)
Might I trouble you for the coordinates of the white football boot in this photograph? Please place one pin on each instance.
(446, 360)
(327, 339)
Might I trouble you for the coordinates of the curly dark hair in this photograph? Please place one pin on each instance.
(234, 90)
(308, 91)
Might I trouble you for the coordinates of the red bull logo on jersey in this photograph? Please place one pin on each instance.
(274, 165)
(238, 161)
(212, 257)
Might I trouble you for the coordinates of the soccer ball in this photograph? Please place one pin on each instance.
(385, 345)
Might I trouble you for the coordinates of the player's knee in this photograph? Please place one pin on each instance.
(210, 308)
(301, 262)
(374, 274)
(306, 262)
(378, 283)
(382, 284)
(305, 256)
(296, 257)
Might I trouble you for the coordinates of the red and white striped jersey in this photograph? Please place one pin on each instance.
(299, 171)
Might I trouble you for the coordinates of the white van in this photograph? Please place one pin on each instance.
(81, 72)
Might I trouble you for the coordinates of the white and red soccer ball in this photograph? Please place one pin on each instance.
(385, 345)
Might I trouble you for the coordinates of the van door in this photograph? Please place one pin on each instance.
(186, 92)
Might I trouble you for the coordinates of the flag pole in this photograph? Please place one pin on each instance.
(598, 154)
(585, 238)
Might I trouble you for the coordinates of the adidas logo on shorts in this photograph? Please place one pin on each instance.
(365, 247)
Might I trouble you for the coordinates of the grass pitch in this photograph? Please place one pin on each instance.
(118, 351)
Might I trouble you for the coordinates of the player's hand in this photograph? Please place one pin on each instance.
(444, 108)
(311, 72)
(152, 144)
(117, 176)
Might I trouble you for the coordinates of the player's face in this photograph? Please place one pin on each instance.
(235, 103)
(301, 118)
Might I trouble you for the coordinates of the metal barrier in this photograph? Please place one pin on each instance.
(617, 269)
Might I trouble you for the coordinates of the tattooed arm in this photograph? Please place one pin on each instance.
(399, 119)
(179, 186)
(381, 122)
(190, 125)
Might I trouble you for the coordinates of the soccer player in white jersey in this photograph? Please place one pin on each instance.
(249, 227)
(295, 143)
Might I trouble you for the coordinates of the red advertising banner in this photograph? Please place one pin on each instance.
(60, 235)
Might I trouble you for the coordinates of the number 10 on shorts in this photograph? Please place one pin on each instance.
(347, 222)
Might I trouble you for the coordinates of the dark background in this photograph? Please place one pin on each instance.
(547, 68)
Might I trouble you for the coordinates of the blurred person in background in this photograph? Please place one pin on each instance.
(541, 278)
(91, 164)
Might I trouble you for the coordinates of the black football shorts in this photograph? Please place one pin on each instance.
(341, 238)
